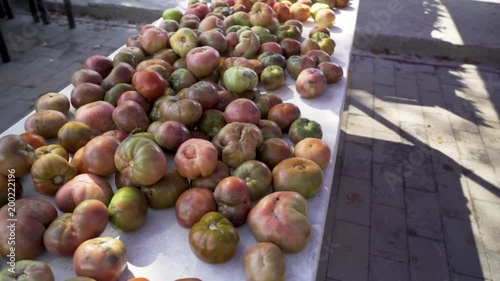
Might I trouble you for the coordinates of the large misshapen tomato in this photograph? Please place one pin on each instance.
(298, 174)
(69, 230)
(233, 199)
(50, 172)
(102, 258)
(141, 160)
(16, 156)
(281, 218)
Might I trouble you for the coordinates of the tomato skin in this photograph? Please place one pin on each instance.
(16, 155)
(213, 239)
(30, 270)
(264, 261)
(50, 172)
(298, 174)
(34, 139)
(164, 193)
(281, 218)
(257, 176)
(141, 160)
(128, 209)
(101, 258)
(69, 230)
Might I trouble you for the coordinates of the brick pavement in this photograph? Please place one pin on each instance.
(416, 189)
(417, 194)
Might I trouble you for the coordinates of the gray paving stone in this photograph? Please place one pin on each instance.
(461, 111)
(458, 277)
(489, 224)
(349, 255)
(360, 102)
(427, 260)
(404, 69)
(424, 68)
(359, 129)
(490, 133)
(387, 270)
(353, 203)
(413, 134)
(363, 64)
(466, 254)
(362, 81)
(387, 185)
(449, 75)
(494, 258)
(474, 86)
(494, 155)
(446, 160)
(410, 113)
(388, 236)
(471, 149)
(384, 73)
(384, 103)
(386, 152)
(423, 214)
(454, 197)
(485, 110)
(428, 82)
(407, 90)
(432, 102)
(418, 170)
(357, 160)
(438, 129)
(483, 183)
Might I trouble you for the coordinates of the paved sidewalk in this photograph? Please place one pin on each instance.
(416, 192)
(416, 189)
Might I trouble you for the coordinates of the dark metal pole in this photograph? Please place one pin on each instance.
(33, 10)
(2, 12)
(7, 9)
(69, 14)
(43, 11)
(3, 49)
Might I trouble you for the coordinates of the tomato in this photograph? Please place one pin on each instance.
(81, 188)
(281, 218)
(52, 149)
(304, 128)
(213, 239)
(273, 151)
(33, 216)
(298, 174)
(238, 142)
(128, 209)
(314, 149)
(141, 160)
(264, 261)
(29, 270)
(233, 199)
(50, 172)
(257, 176)
(69, 230)
(165, 192)
(193, 204)
(34, 139)
(98, 155)
(210, 182)
(195, 158)
(74, 135)
(101, 258)
(16, 156)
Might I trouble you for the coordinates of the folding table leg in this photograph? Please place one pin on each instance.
(3, 49)
(69, 14)
(43, 11)
(7, 9)
(33, 10)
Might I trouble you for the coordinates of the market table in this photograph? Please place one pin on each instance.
(160, 249)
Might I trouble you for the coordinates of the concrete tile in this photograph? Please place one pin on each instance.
(483, 183)
(454, 197)
(418, 170)
(387, 185)
(458, 277)
(427, 260)
(359, 129)
(471, 148)
(410, 113)
(413, 134)
(362, 81)
(466, 254)
(349, 256)
(446, 160)
(386, 152)
(461, 111)
(485, 110)
(424, 68)
(384, 103)
(357, 160)
(384, 73)
(360, 102)
(407, 89)
(423, 214)
(363, 64)
(388, 236)
(438, 129)
(432, 102)
(494, 258)
(489, 224)
(387, 270)
(403, 69)
(494, 155)
(463, 124)
(490, 133)
(428, 82)
(353, 203)
(449, 75)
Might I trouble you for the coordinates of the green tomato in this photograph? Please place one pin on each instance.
(238, 79)
(304, 128)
